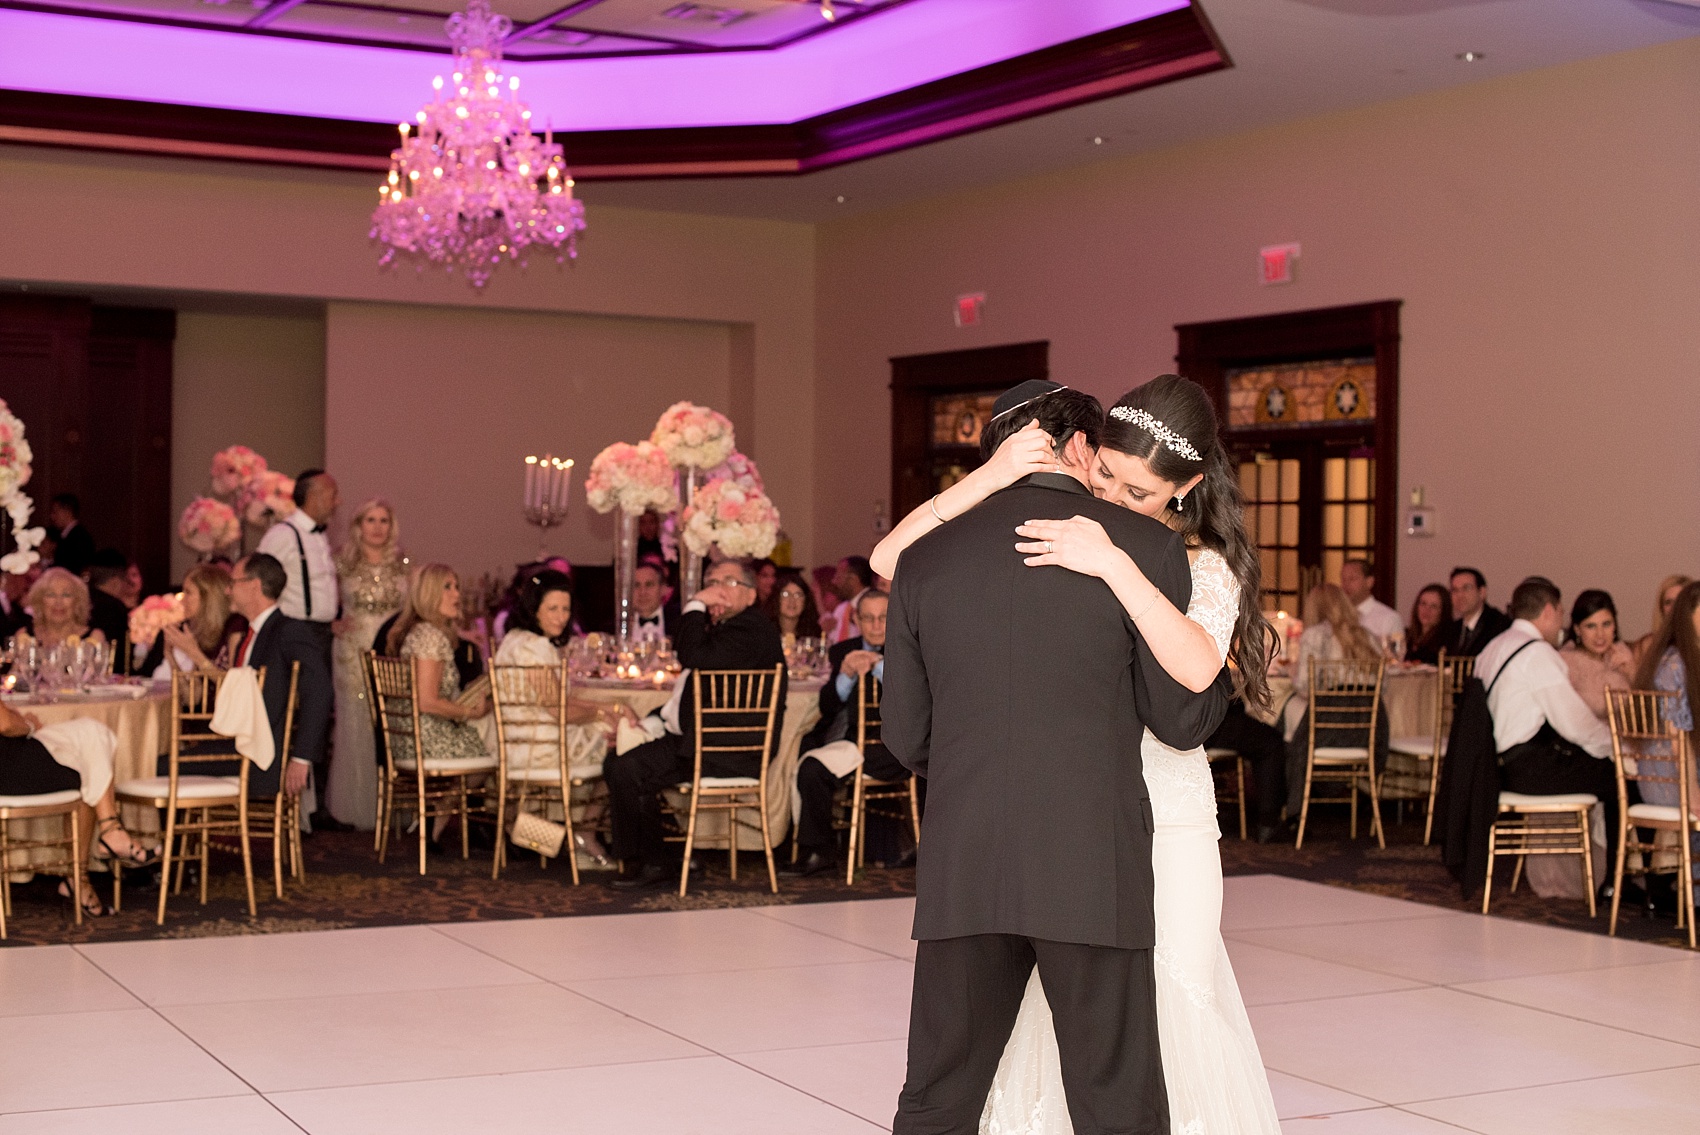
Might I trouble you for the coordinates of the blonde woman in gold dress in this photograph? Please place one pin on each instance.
(373, 575)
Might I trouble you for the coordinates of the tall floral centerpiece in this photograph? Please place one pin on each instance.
(15, 458)
(245, 489)
(695, 439)
(208, 526)
(737, 519)
(630, 479)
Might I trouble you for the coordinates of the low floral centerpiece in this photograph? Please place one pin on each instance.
(636, 478)
(208, 525)
(726, 515)
(694, 437)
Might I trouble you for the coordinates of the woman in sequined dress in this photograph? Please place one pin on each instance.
(373, 573)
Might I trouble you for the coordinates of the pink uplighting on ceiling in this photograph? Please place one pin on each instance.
(894, 50)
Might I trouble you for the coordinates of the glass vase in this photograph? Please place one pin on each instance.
(690, 564)
(625, 566)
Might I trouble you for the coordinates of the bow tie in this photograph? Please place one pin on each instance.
(320, 527)
(649, 620)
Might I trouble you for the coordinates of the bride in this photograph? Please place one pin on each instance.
(1160, 456)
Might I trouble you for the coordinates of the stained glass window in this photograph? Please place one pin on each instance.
(1301, 394)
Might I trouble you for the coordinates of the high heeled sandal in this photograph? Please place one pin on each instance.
(139, 856)
(93, 905)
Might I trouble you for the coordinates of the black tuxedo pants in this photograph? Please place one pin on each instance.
(1103, 1004)
(817, 787)
(1550, 765)
(635, 780)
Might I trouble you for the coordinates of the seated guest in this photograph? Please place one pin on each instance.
(767, 574)
(1673, 665)
(792, 607)
(59, 606)
(840, 709)
(13, 589)
(649, 544)
(541, 613)
(110, 604)
(209, 631)
(276, 641)
(719, 629)
(854, 576)
(1357, 580)
(1597, 661)
(1265, 750)
(1662, 600)
(1332, 633)
(1431, 623)
(654, 612)
(73, 545)
(1475, 623)
(1549, 741)
(75, 754)
(426, 630)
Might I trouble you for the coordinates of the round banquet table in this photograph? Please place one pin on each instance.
(140, 717)
(1408, 697)
(802, 711)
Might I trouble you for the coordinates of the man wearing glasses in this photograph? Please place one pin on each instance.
(274, 640)
(719, 629)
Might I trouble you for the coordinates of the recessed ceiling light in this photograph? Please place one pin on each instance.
(1097, 141)
(1471, 56)
(841, 198)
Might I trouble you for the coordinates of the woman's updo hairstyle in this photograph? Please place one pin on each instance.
(1170, 424)
(532, 590)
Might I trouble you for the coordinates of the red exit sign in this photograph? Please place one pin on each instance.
(968, 309)
(1275, 263)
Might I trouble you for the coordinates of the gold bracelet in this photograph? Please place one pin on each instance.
(1146, 610)
(934, 505)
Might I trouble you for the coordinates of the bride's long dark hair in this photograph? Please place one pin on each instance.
(1213, 512)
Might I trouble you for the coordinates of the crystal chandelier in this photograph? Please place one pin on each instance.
(471, 184)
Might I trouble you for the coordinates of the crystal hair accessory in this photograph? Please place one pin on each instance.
(1156, 429)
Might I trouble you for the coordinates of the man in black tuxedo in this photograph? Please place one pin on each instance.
(73, 545)
(655, 612)
(274, 640)
(840, 709)
(109, 609)
(1022, 694)
(719, 629)
(1474, 623)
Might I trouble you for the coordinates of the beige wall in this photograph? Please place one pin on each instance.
(421, 412)
(1542, 231)
(254, 380)
(204, 227)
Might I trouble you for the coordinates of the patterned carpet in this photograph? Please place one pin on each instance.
(345, 886)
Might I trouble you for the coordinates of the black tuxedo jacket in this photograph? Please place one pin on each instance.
(280, 642)
(74, 550)
(1022, 695)
(837, 717)
(746, 641)
(1490, 626)
(108, 615)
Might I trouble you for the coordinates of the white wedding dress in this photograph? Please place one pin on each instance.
(1214, 1072)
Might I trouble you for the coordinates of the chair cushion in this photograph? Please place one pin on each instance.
(552, 775)
(723, 782)
(72, 795)
(450, 764)
(1656, 813)
(1341, 754)
(1416, 746)
(1559, 800)
(188, 787)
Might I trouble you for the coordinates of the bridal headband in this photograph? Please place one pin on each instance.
(1156, 429)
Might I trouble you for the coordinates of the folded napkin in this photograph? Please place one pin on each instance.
(628, 736)
(241, 713)
(841, 758)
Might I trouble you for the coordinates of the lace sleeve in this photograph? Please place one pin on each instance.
(1215, 602)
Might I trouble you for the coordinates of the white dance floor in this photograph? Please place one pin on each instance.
(1376, 1017)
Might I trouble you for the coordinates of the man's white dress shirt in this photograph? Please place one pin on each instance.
(291, 541)
(1379, 619)
(1536, 689)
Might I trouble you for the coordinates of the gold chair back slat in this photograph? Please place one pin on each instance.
(1344, 698)
(1652, 751)
(742, 703)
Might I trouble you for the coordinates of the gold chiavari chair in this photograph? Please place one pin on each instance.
(1654, 754)
(369, 686)
(198, 808)
(1430, 750)
(1525, 827)
(67, 805)
(736, 712)
(441, 784)
(1234, 775)
(531, 714)
(864, 788)
(1345, 703)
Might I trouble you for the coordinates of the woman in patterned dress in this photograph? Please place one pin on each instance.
(372, 572)
(1161, 457)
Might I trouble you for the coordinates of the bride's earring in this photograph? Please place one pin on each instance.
(1180, 502)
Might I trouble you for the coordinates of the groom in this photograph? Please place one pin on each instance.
(1021, 695)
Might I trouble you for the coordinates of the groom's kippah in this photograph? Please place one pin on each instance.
(1022, 393)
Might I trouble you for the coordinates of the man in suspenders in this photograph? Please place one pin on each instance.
(311, 595)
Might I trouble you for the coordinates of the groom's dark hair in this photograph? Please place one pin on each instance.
(1061, 413)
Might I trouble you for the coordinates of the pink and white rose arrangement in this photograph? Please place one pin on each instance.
(636, 478)
(208, 525)
(694, 436)
(153, 615)
(267, 498)
(726, 515)
(235, 469)
(741, 470)
(15, 472)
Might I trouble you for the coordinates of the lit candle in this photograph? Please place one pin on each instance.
(530, 481)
